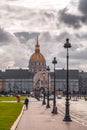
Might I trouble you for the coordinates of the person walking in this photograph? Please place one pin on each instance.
(26, 102)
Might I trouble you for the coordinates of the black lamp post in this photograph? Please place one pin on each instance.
(48, 106)
(43, 102)
(67, 118)
(54, 100)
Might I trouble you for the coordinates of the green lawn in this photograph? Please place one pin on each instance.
(11, 98)
(8, 114)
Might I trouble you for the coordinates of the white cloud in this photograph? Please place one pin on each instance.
(45, 4)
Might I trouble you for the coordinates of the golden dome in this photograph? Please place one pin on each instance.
(37, 57)
(37, 61)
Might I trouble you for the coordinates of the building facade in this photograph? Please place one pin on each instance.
(83, 82)
(61, 79)
(17, 81)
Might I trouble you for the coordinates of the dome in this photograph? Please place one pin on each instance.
(37, 60)
(37, 57)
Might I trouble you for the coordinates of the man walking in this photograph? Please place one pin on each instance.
(26, 102)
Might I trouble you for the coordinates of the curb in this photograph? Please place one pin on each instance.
(14, 126)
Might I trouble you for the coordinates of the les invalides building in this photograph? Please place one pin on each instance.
(26, 80)
(36, 77)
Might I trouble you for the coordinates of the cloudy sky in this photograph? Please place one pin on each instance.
(21, 21)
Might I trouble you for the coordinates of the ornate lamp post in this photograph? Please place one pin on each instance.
(48, 106)
(43, 102)
(67, 45)
(54, 100)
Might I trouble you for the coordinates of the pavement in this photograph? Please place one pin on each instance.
(38, 117)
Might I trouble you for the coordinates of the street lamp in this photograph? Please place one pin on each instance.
(43, 102)
(54, 100)
(67, 45)
(48, 106)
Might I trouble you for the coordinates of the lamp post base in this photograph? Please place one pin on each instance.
(54, 110)
(67, 118)
(43, 103)
(48, 106)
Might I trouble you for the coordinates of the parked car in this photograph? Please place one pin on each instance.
(85, 98)
(51, 97)
(59, 97)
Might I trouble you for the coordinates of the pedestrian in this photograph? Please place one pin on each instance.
(26, 102)
(18, 98)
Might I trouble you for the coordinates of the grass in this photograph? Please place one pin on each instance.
(8, 114)
(11, 98)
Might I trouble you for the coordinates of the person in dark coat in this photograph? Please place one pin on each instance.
(26, 103)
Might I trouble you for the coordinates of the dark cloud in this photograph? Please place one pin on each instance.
(62, 36)
(12, 52)
(45, 37)
(69, 19)
(82, 36)
(6, 37)
(76, 46)
(79, 54)
(49, 14)
(25, 36)
(83, 6)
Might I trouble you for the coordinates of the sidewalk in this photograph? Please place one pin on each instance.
(38, 117)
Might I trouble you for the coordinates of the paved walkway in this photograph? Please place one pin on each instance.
(38, 117)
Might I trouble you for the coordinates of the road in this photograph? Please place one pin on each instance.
(78, 109)
(38, 117)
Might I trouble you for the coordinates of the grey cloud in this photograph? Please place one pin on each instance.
(79, 55)
(53, 38)
(49, 15)
(77, 52)
(45, 37)
(83, 6)
(62, 36)
(14, 55)
(76, 46)
(81, 36)
(6, 37)
(12, 52)
(70, 19)
(83, 9)
(25, 36)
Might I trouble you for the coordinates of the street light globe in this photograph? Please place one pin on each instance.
(54, 61)
(67, 44)
(48, 68)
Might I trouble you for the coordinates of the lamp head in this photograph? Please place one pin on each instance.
(48, 68)
(67, 44)
(54, 61)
